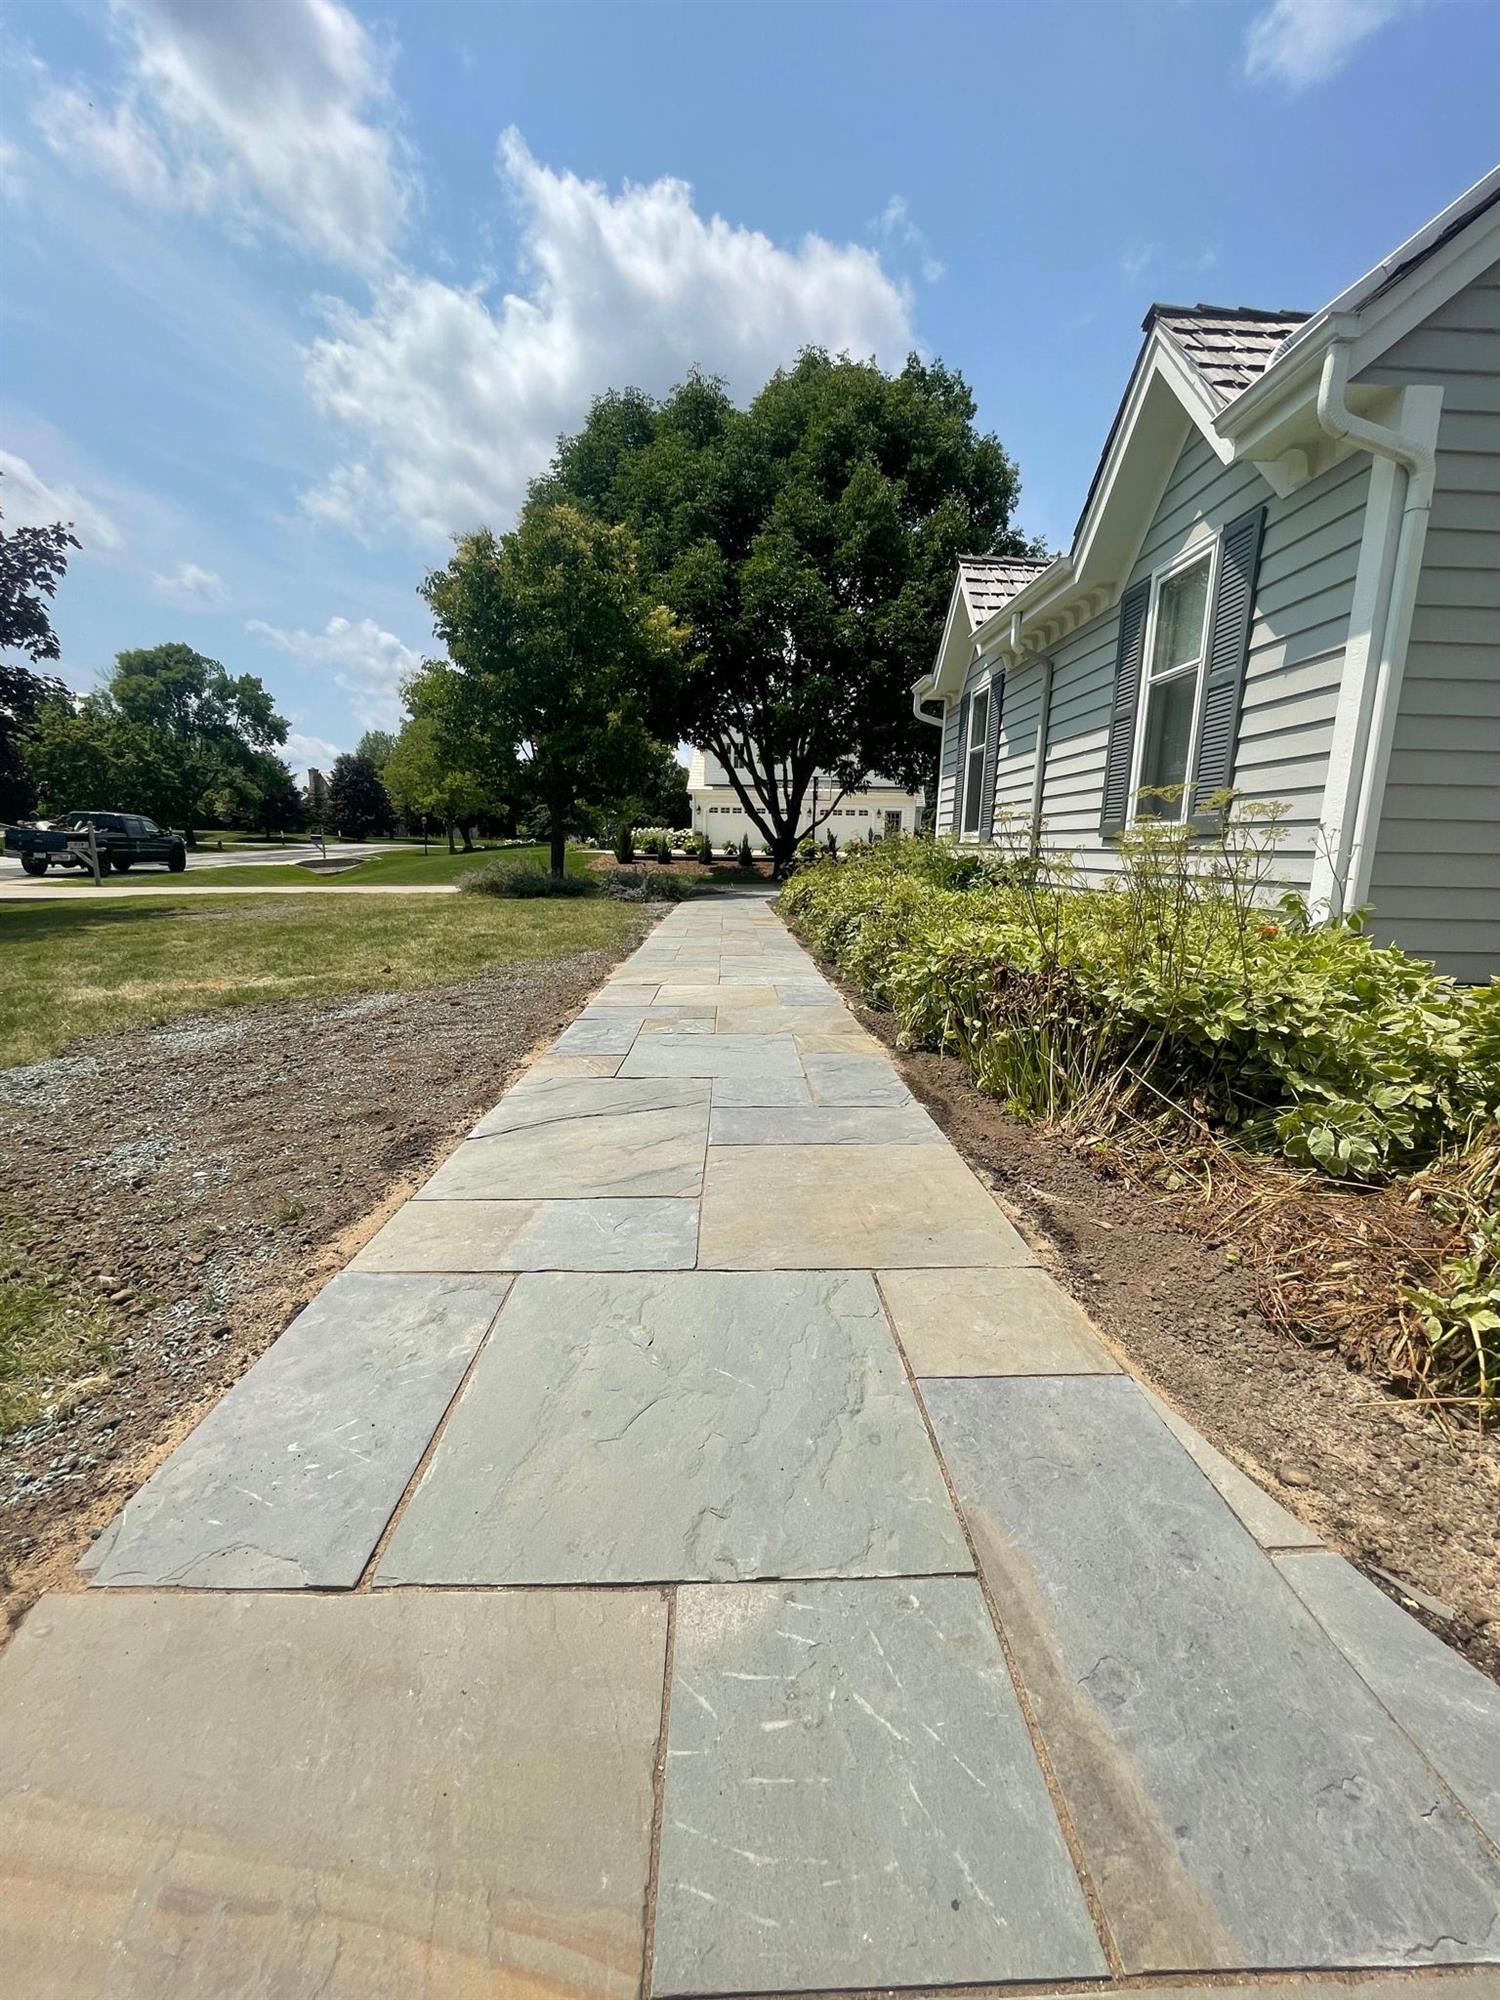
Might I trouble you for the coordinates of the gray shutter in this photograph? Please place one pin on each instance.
(1228, 645)
(991, 758)
(1121, 752)
(960, 762)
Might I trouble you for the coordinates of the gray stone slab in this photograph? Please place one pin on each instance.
(800, 992)
(636, 1428)
(610, 1035)
(1400, 1986)
(567, 1065)
(569, 1140)
(291, 1478)
(646, 1233)
(1272, 1525)
(823, 1125)
(1449, 1709)
(789, 1208)
(1241, 1798)
(852, 1799)
(713, 1056)
(1015, 1322)
(749, 1090)
(836, 1078)
(361, 1798)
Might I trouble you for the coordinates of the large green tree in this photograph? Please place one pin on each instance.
(564, 663)
(32, 562)
(809, 543)
(358, 803)
(440, 769)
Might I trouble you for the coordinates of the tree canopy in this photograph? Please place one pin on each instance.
(564, 663)
(358, 803)
(808, 543)
(32, 562)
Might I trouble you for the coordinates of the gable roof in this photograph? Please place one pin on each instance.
(1229, 346)
(988, 582)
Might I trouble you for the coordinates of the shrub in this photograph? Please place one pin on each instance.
(649, 839)
(747, 860)
(1173, 990)
(647, 885)
(499, 880)
(624, 842)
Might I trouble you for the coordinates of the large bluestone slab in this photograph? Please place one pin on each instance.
(846, 1208)
(563, 1140)
(852, 1799)
(823, 1125)
(291, 1479)
(628, 1233)
(699, 1426)
(1242, 1799)
(714, 1056)
(1272, 1525)
(1449, 1709)
(605, 1034)
(837, 1078)
(1015, 1322)
(359, 1798)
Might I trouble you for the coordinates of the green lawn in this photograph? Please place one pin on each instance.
(409, 869)
(71, 971)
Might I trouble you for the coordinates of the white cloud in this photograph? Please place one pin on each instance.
(273, 114)
(456, 400)
(28, 501)
(1301, 42)
(894, 223)
(301, 750)
(1136, 259)
(367, 662)
(189, 588)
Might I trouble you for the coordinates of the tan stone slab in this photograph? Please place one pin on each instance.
(743, 999)
(620, 993)
(1016, 1322)
(626, 1233)
(792, 1208)
(761, 1020)
(362, 1798)
(836, 1041)
(570, 1065)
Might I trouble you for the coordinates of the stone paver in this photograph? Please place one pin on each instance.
(1015, 1322)
(292, 1477)
(360, 1798)
(545, 1382)
(852, 1798)
(565, 1139)
(1449, 1707)
(625, 1234)
(1242, 1799)
(847, 1207)
(776, 1399)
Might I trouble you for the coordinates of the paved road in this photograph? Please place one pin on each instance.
(695, 1548)
(17, 886)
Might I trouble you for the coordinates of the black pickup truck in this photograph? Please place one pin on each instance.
(122, 840)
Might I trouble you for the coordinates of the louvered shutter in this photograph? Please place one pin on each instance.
(991, 758)
(960, 762)
(1228, 645)
(1121, 752)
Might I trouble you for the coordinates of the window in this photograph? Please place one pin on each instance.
(1176, 652)
(979, 724)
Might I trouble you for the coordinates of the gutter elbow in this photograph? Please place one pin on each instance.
(1415, 455)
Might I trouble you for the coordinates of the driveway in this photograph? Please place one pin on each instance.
(696, 1549)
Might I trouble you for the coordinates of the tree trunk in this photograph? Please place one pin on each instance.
(448, 827)
(783, 849)
(468, 843)
(559, 848)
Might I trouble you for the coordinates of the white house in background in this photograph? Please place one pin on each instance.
(1286, 578)
(717, 811)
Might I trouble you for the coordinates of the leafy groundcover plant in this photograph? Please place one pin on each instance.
(1182, 990)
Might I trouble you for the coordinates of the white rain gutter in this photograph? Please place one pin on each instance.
(1360, 753)
(917, 699)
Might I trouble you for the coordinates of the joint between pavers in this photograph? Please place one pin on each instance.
(658, 1799)
(1092, 1899)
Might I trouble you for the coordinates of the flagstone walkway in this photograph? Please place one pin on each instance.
(695, 1549)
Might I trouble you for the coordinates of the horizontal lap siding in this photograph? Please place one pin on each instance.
(1435, 883)
(1016, 761)
(947, 769)
(1303, 597)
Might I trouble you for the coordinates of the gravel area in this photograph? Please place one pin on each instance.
(203, 1180)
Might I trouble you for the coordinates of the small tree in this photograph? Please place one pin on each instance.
(377, 745)
(32, 562)
(624, 840)
(747, 859)
(358, 804)
(563, 663)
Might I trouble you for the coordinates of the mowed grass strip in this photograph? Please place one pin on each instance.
(411, 869)
(76, 972)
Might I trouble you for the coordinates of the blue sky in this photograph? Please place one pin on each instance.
(292, 290)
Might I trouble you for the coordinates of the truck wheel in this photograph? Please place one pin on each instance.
(121, 865)
(34, 864)
(177, 860)
(105, 864)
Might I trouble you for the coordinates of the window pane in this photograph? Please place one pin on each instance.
(1180, 613)
(979, 722)
(1169, 734)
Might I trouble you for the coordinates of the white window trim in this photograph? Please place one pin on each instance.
(1159, 579)
(986, 687)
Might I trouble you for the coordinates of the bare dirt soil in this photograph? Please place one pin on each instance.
(1379, 1477)
(202, 1180)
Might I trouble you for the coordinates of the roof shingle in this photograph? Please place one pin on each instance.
(992, 581)
(1229, 346)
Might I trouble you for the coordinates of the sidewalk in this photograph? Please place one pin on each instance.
(695, 1549)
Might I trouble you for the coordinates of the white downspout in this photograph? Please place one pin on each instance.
(1351, 821)
(1039, 774)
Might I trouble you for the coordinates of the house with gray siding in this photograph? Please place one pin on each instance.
(1285, 581)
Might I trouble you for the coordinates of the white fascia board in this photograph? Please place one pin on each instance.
(956, 625)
